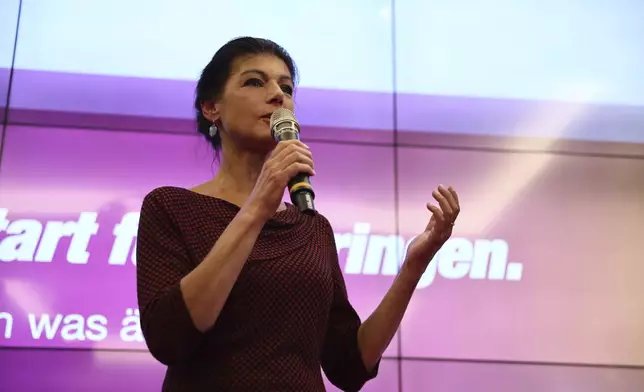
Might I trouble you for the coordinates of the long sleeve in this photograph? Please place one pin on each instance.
(162, 261)
(341, 358)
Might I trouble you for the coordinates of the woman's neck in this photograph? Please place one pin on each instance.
(236, 176)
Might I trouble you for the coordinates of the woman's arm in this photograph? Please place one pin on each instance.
(376, 332)
(207, 287)
(177, 301)
(342, 359)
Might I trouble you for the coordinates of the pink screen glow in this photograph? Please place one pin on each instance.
(514, 283)
(541, 131)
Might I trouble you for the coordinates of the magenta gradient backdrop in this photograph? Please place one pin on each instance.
(538, 290)
(573, 303)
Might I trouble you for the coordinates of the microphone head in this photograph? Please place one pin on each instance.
(281, 114)
(284, 126)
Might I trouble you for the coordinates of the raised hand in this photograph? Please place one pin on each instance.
(289, 158)
(439, 229)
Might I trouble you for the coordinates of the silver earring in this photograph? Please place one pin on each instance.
(213, 130)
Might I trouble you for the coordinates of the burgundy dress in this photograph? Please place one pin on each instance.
(287, 315)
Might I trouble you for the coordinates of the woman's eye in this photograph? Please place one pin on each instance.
(287, 89)
(253, 82)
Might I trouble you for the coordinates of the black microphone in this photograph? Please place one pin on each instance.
(284, 126)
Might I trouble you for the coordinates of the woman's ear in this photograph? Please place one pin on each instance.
(210, 111)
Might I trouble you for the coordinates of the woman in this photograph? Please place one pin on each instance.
(239, 291)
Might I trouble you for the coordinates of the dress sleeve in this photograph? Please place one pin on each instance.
(161, 262)
(341, 358)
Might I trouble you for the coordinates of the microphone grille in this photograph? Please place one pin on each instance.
(282, 114)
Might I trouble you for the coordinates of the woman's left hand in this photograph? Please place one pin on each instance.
(423, 248)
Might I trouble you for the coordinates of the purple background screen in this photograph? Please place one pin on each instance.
(538, 290)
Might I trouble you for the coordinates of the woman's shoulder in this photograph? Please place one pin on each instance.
(177, 199)
(185, 202)
(167, 195)
(323, 225)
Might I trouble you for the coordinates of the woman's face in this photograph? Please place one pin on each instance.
(258, 85)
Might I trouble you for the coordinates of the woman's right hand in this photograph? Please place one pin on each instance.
(287, 159)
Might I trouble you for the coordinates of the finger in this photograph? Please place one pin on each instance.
(449, 196)
(455, 195)
(288, 145)
(291, 154)
(296, 144)
(300, 151)
(294, 160)
(438, 214)
(298, 167)
(452, 199)
(444, 204)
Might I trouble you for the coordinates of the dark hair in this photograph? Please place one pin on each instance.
(215, 75)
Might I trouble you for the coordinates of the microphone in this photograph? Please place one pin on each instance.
(284, 126)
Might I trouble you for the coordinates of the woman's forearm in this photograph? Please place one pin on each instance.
(207, 287)
(377, 331)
